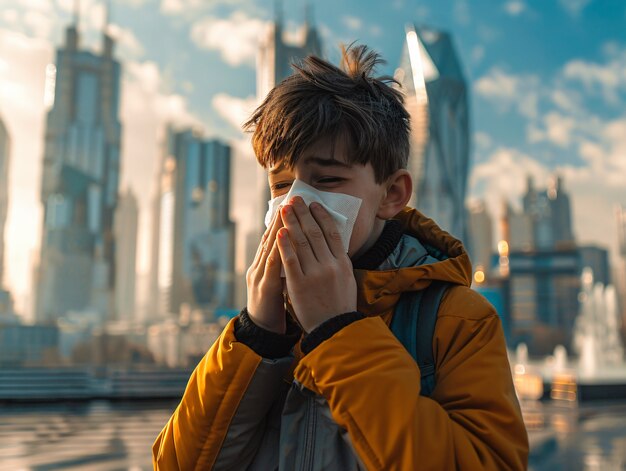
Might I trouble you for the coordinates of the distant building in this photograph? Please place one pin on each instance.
(125, 228)
(28, 345)
(551, 216)
(596, 258)
(276, 54)
(5, 147)
(518, 229)
(621, 230)
(543, 297)
(79, 189)
(440, 152)
(620, 215)
(480, 237)
(194, 258)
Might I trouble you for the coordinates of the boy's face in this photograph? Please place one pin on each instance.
(325, 167)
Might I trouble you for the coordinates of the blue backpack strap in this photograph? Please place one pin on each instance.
(413, 324)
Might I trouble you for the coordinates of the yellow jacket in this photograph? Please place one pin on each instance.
(360, 389)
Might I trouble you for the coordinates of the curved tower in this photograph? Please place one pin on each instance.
(440, 147)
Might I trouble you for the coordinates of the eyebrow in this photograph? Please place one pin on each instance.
(278, 169)
(322, 162)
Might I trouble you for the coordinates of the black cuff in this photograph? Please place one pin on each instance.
(266, 343)
(327, 329)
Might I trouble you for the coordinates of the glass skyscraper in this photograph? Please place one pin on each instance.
(430, 73)
(4, 191)
(194, 238)
(79, 189)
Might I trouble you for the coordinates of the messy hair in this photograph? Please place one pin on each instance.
(321, 100)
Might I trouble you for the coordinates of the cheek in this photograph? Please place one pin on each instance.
(360, 232)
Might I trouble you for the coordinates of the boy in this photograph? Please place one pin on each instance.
(353, 400)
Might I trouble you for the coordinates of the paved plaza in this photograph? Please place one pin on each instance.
(101, 435)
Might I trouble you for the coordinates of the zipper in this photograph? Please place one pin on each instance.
(310, 423)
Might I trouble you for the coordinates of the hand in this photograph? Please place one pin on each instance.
(320, 281)
(266, 306)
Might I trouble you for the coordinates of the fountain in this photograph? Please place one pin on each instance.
(596, 332)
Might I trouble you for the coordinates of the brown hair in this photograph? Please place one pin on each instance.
(323, 101)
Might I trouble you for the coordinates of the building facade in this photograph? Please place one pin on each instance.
(79, 188)
(543, 297)
(5, 146)
(480, 237)
(431, 76)
(550, 213)
(596, 258)
(195, 244)
(126, 230)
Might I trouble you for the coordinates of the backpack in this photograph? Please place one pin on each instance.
(413, 324)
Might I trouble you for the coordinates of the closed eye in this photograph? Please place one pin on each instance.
(330, 180)
(280, 186)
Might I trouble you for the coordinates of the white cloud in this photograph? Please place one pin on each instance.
(502, 177)
(376, 31)
(608, 78)
(568, 100)
(352, 22)
(179, 6)
(234, 110)
(514, 7)
(506, 90)
(574, 7)
(294, 32)
(422, 12)
(236, 38)
(129, 45)
(39, 24)
(557, 129)
(461, 12)
(10, 16)
(189, 9)
(482, 140)
(478, 53)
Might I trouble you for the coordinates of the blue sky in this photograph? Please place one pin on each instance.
(547, 83)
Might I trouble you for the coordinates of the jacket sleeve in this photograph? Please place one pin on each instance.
(221, 419)
(472, 421)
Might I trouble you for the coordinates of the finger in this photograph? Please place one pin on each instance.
(288, 255)
(298, 239)
(329, 229)
(312, 231)
(268, 241)
(273, 263)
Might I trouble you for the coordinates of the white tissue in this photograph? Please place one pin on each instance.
(343, 208)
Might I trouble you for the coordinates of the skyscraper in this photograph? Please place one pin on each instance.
(550, 213)
(79, 189)
(620, 215)
(125, 230)
(480, 237)
(440, 142)
(5, 146)
(276, 55)
(195, 248)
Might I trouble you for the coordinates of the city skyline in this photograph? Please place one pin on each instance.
(559, 110)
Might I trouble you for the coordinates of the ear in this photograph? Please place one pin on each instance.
(399, 187)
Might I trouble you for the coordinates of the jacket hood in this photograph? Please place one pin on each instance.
(379, 290)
